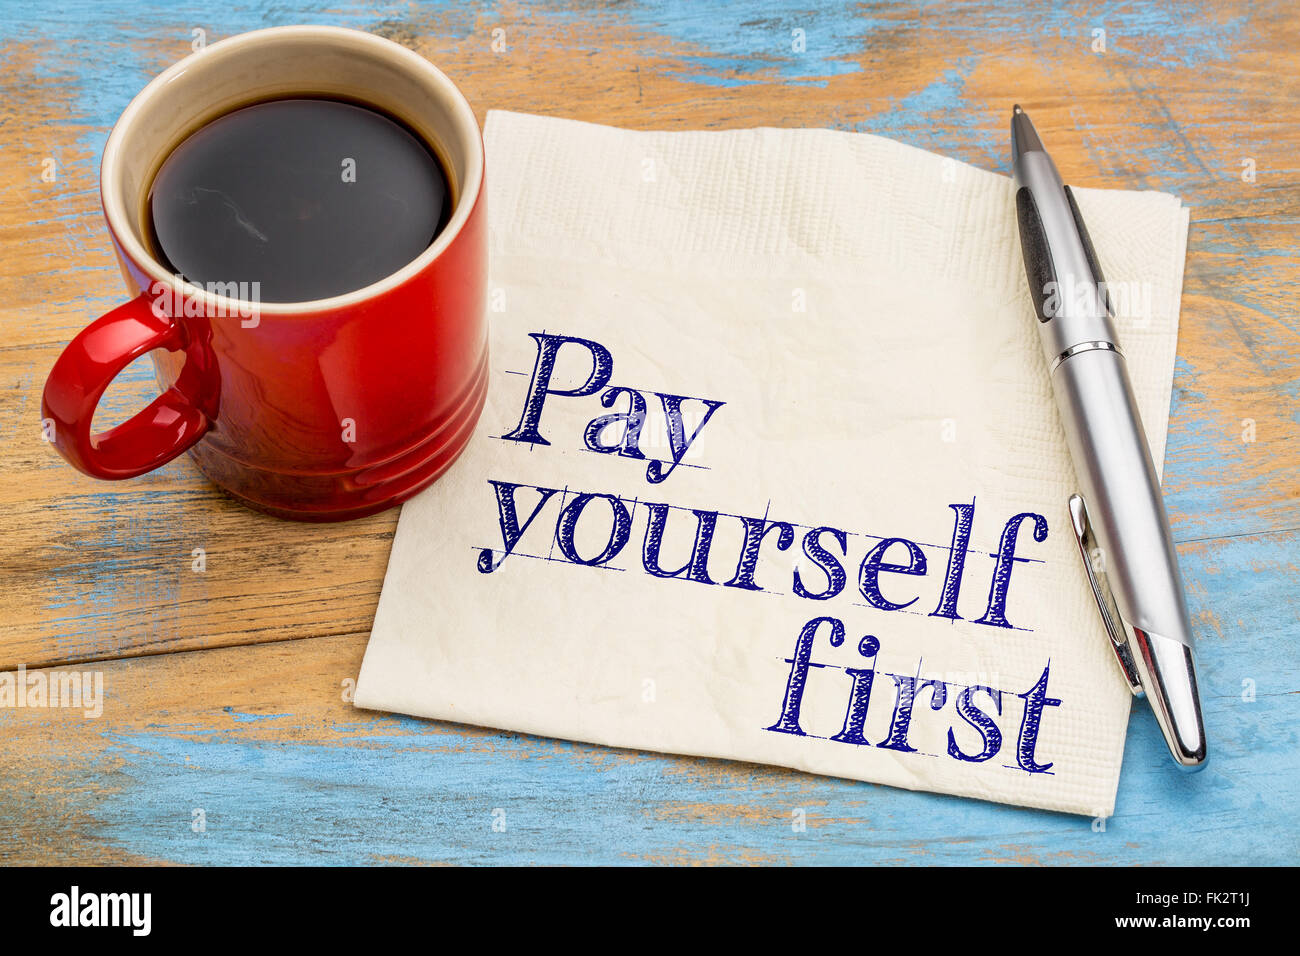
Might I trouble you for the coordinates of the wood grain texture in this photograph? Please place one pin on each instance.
(215, 713)
(260, 739)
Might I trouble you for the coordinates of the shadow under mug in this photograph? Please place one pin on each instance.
(318, 411)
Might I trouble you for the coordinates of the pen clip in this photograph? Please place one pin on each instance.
(1093, 556)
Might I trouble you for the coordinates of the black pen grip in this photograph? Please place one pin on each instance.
(1033, 245)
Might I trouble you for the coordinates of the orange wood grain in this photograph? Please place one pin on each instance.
(98, 570)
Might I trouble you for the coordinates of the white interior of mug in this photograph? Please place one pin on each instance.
(284, 61)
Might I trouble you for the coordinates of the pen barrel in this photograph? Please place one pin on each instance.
(1118, 482)
(1121, 521)
(1064, 276)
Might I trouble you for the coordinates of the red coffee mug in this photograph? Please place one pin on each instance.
(318, 411)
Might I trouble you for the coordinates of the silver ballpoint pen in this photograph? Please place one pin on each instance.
(1118, 516)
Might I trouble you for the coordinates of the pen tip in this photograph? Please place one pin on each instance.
(1023, 135)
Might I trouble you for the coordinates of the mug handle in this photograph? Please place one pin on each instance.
(149, 439)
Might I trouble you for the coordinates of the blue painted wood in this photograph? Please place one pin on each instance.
(275, 787)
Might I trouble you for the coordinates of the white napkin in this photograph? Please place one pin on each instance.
(859, 307)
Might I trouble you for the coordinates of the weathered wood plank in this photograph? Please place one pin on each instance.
(261, 740)
(100, 570)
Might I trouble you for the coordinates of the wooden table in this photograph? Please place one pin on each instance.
(226, 735)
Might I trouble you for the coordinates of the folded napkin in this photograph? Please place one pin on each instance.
(770, 470)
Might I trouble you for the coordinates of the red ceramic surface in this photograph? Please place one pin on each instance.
(315, 411)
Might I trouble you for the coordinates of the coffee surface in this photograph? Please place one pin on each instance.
(311, 198)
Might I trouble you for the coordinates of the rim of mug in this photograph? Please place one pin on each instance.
(119, 222)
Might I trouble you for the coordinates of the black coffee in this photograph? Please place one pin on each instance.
(311, 198)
